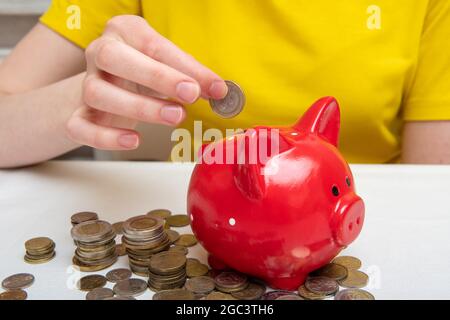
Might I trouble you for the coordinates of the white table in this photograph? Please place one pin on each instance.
(404, 246)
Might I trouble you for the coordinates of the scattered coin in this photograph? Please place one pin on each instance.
(232, 104)
(14, 295)
(274, 295)
(119, 298)
(117, 275)
(178, 221)
(216, 295)
(174, 294)
(202, 285)
(100, 294)
(355, 279)
(322, 285)
(130, 288)
(354, 294)
(160, 213)
(290, 297)
(118, 227)
(173, 236)
(121, 250)
(180, 249)
(253, 291)
(351, 263)
(186, 240)
(229, 282)
(195, 268)
(18, 281)
(81, 217)
(91, 282)
(308, 295)
(332, 270)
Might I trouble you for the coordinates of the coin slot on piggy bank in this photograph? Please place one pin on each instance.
(286, 222)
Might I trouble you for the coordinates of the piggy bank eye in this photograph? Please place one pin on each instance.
(347, 180)
(335, 191)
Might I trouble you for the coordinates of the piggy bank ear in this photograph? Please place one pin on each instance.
(322, 118)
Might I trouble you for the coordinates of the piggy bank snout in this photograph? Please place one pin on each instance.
(350, 214)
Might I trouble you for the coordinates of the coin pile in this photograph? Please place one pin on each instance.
(232, 104)
(144, 236)
(39, 250)
(167, 270)
(15, 285)
(229, 282)
(342, 271)
(96, 245)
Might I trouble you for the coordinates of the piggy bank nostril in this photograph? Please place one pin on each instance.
(358, 221)
(350, 227)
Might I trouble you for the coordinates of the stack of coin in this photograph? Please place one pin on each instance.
(96, 245)
(81, 217)
(39, 250)
(167, 270)
(230, 282)
(144, 236)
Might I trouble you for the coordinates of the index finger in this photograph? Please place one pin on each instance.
(136, 32)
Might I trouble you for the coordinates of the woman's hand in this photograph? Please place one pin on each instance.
(134, 74)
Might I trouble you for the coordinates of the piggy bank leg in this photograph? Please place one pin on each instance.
(287, 283)
(216, 263)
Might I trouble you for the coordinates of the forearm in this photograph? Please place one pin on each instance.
(32, 124)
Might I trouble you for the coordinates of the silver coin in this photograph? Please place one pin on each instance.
(232, 104)
(322, 285)
(130, 288)
(354, 294)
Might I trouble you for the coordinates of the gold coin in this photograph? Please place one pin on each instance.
(39, 244)
(121, 250)
(180, 220)
(332, 270)
(118, 227)
(196, 269)
(186, 240)
(351, 263)
(167, 262)
(18, 281)
(173, 236)
(91, 282)
(354, 294)
(100, 294)
(14, 295)
(92, 268)
(143, 223)
(216, 295)
(41, 260)
(81, 217)
(308, 295)
(181, 249)
(355, 279)
(174, 294)
(160, 213)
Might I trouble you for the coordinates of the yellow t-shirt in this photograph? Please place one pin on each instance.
(385, 61)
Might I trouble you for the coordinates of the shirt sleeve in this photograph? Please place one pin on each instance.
(429, 96)
(82, 21)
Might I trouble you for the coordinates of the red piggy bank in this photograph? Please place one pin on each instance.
(281, 218)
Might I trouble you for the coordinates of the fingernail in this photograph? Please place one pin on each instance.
(188, 91)
(129, 141)
(172, 114)
(218, 89)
